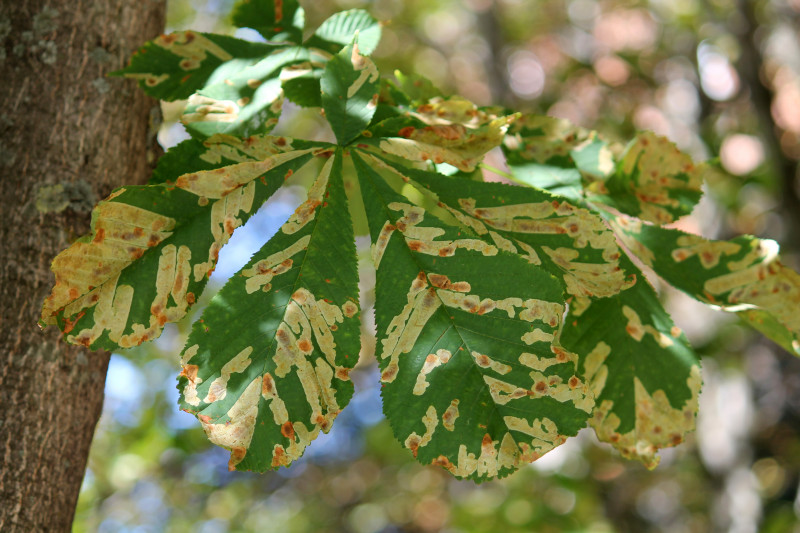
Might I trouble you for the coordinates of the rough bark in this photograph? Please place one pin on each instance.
(68, 136)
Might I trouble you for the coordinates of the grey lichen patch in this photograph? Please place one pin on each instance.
(45, 21)
(48, 52)
(100, 55)
(101, 85)
(77, 196)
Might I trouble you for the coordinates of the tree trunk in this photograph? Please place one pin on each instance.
(68, 136)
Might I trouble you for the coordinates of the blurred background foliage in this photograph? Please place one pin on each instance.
(721, 78)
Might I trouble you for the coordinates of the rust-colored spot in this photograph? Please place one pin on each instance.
(614, 437)
(190, 298)
(189, 372)
(99, 236)
(267, 385)
(406, 132)
(287, 430)
(280, 141)
(676, 439)
(657, 430)
(541, 387)
(279, 457)
(415, 246)
(305, 345)
(205, 419)
(229, 226)
(73, 293)
(573, 382)
(69, 325)
(561, 354)
(237, 454)
(288, 174)
(350, 309)
(413, 444)
(343, 373)
(444, 462)
(282, 336)
(389, 373)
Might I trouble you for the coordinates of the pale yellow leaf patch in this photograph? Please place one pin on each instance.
(236, 433)
(219, 387)
(415, 441)
(433, 360)
(658, 424)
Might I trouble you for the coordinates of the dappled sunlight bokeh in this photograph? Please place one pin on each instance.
(684, 69)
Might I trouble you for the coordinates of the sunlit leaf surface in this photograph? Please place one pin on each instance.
(153, 247)
(267, 366)
(281, 20)
(571, 243)
(338, 31)
(174, 66)
(349, 92)
(640, 367)
(743, 272)
(653, 180)
(473, 378)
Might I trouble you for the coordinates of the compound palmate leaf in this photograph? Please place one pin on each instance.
(174, 66)
(738, 274)
(153, 247)
(267, 366)
(640, 367)
(472, 377)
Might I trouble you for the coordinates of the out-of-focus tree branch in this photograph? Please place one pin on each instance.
(750, 67)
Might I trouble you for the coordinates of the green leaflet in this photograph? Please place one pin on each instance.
(338, 31)
(184, 157)
(413, 88)
(245, 103)
(349, 93)
(267, 366)
(152, 247)
(473, 379)
(276, 20)
(452, 131)
(174, 66)
(301, 82)
(653, 181)
(640, 367)
(551, 153)
(743, 271)
(569, 242)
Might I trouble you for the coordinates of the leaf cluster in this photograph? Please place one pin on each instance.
(508, 316)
